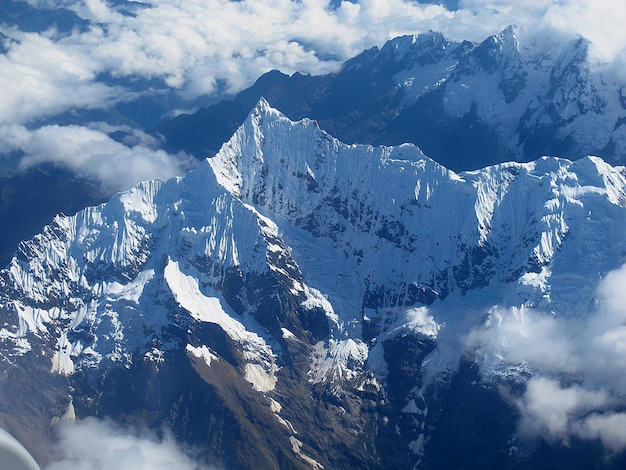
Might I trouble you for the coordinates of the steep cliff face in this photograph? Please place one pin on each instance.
(297, 302)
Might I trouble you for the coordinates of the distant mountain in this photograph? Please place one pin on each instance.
(298, 302)
(466, 105)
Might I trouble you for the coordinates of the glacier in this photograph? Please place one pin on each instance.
(288, 244)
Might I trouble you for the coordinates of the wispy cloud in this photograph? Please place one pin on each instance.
(558, 412)
(578, 366)
(93, 444)
(91, 154)
(599, 21)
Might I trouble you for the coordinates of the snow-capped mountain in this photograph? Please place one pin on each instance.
(298, 302)
(466, 105)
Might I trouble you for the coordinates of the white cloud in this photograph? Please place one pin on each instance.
(578, 366)
(548, 409)
(521, 336)
(601, 22)
(610, 428)
(91, 154)
(93, 444)
(558, 412)
(40, 76)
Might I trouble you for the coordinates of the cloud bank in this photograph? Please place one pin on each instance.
(557, 413)
(93, 444)
(578, 366)
(202, 47)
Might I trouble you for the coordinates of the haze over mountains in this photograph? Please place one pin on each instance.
(318, 293)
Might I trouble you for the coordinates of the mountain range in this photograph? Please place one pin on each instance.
(300, 302)
(466, 105)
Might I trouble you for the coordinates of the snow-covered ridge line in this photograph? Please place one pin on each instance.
(88, 287)
(374, 238)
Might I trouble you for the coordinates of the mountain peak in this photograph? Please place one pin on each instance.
(403, 44)
(262, 107)
(510, 35)
(424, 48)
(500, 51)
